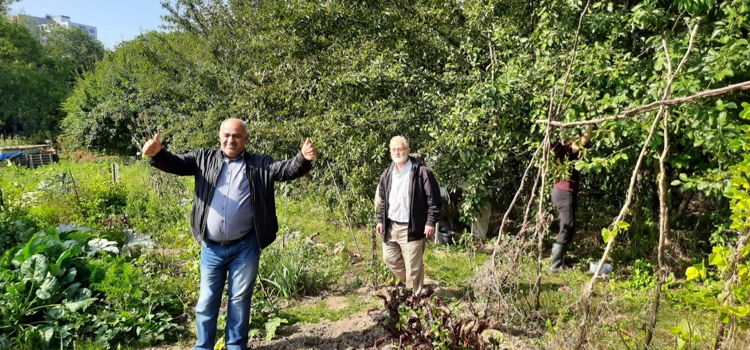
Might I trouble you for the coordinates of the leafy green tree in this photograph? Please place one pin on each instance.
(152, 75)
(74, 47)
(36, 77)
(619, 64)
(4, 5)
(464, 81)
(350, 74)
(32, 86)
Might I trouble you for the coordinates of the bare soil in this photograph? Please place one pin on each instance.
(355, 332)
(358, 331)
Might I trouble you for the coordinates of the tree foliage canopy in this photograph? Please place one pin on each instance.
(465, 81)
(37, 77)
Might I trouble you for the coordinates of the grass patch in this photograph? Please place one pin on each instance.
(310, 214)
(15, 140)
(451, 265)
(318, 311)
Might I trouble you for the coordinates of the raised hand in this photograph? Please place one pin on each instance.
(152, 146)
(309, 151)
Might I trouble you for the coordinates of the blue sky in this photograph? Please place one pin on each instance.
(115, 20)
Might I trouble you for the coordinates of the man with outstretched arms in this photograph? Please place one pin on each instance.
(233, 219)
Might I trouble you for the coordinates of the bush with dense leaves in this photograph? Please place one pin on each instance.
(54, 291)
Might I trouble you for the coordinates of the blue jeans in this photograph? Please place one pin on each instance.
(240, 262)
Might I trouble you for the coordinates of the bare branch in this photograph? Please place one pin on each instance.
(586, 298)
(540, 221)
(687, 52)
(572, 59)
(518, 194)
(656, 104)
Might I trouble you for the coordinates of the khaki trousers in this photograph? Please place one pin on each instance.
(404, 258)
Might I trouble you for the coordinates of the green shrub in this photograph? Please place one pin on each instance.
(102, 200)
(137, 306)
(47, 284)
(643, 275)
(292, 266)
(43, 291)
(16, 226)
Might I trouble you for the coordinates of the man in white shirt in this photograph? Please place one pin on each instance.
(407, 212)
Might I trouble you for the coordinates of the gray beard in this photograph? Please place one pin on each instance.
(397, 160)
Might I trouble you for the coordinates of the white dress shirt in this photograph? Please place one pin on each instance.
(399, 205)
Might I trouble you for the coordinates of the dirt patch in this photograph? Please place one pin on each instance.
(336, 302)
(356, 332)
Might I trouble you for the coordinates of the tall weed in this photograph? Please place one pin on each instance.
(297, 266)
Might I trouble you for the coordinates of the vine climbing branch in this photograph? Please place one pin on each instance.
(731, 280)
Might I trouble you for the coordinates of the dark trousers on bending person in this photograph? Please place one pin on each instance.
(565, 202)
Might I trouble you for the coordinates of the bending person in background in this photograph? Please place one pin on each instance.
(407, 211)
(234, 218)
(565, 198)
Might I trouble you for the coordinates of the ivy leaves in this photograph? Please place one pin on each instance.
(609, 234)
(729, 275)
(696, 7)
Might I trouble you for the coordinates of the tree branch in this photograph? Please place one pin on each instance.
(745, 85)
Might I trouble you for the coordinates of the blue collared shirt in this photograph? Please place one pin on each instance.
(230, 215)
